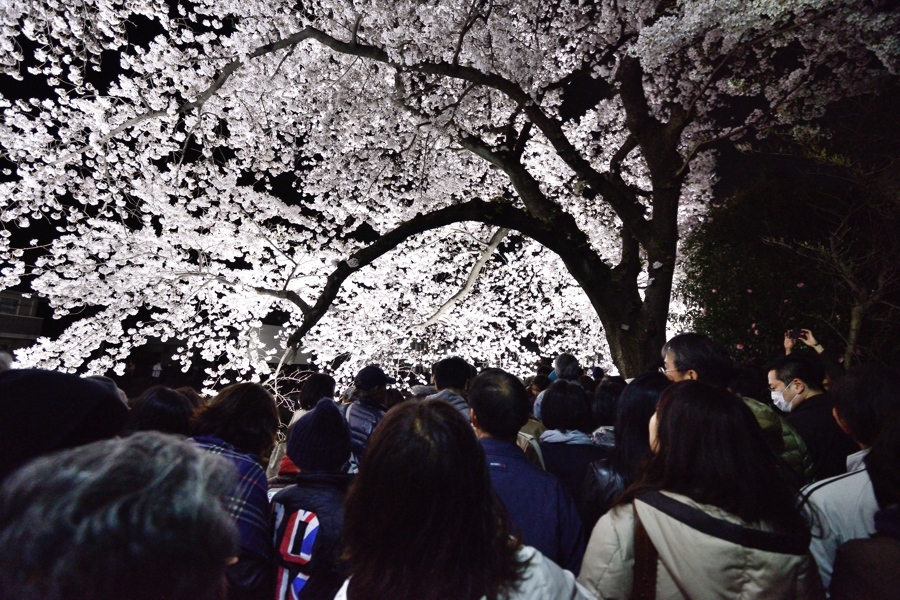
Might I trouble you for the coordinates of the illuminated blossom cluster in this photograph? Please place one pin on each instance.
(245, 150)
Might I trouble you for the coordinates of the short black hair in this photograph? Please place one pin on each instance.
(808, 370)
(142, 517)
(565, 407)
(161, 409)
(452, 372)
(500, 403)
(605, 402)
(708, 358)
(315, 387)
(881, 463)
(865, 398)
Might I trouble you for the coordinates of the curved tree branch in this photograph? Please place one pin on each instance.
(470, 282)
(584, 266)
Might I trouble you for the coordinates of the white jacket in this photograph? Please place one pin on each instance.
(695, 563)
(544, 580)
(840, 509)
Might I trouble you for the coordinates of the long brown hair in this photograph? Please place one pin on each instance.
(711, 449)
(242, 414)
(421, 519)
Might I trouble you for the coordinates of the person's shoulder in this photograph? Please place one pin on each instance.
(543, 578)
(835, 487)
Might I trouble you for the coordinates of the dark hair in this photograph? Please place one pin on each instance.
(393, 397)
(541, 381)
(808, 370)
(637, 403)
(242, 414)
(452, 372)
(315, 387)
(500, 402)
(605, 401)
(421, 519)
(695, 351)
(565, 407)
(587, 382)
(567, 367)
(750, 381)
(711, 449)
(193, 395)
(881, 463)
(161, 409)
(141, 517)
(865, 398)
(544, 370)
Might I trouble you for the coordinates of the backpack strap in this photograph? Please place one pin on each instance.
(645, 561)
(532, 448)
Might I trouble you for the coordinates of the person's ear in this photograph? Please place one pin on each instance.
(799, 386)
(473, 419)
(691, 374)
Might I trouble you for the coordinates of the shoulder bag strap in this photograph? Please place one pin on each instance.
(645, 561)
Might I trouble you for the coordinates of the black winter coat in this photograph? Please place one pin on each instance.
(602, 486)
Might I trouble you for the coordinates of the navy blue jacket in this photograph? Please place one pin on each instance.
(362, 415)
(308, 518)
(540, 509)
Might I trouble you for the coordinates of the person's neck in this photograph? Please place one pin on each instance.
(453, 390)
(809, 394)
(484, 435)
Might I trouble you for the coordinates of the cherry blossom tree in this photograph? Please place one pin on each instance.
(352, 163)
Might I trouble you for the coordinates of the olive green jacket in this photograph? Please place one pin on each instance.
(783, 438)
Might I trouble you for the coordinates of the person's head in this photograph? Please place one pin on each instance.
(499, 404)
(161, 409)
(421, 519)
(793, 378)
(452, 373)
(695, 356)
(749, 381)
(539, 383)
(43, 411)
(636, 406)
(315, 387)
(320, 441)
(567, 367)
(864, 399)
(191, 394)
(707, 445)
(141, 517)
(244, 415)
(606, 399)
(372, 381)
(881, 463)
(588, 384)
(544, 370)
(566, 408)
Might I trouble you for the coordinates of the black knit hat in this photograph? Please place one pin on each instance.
(320, 440)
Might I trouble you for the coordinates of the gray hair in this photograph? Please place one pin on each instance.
(567, 367)
(143, 517)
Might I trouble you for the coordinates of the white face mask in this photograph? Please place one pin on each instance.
(780, 403)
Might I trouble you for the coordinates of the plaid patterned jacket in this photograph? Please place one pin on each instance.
(248, 503)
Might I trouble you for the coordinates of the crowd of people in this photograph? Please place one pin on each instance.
(698, 479)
